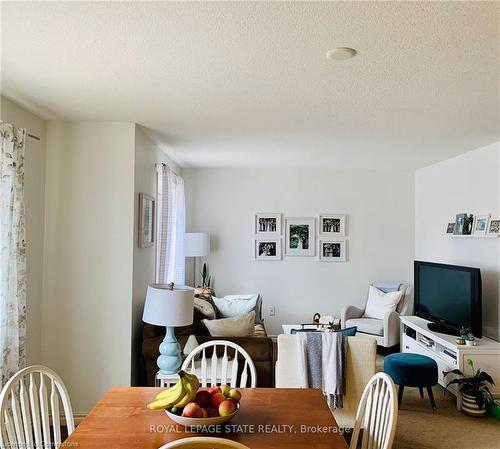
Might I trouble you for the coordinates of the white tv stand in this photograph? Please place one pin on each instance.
(447, 354)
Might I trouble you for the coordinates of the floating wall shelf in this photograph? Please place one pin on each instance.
(474, 236)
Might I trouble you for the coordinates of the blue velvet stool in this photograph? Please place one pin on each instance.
(412, 370)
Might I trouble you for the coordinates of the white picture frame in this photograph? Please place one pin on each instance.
(147, 212)
(267, 224)
(480, 224)
(267, 248)
(493, 226)
(332, 225)
(300, 236)
(450, 228)
(332, 250)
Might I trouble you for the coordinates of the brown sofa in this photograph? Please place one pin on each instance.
(259, 346)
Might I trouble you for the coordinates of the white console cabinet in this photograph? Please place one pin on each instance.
(447, 354)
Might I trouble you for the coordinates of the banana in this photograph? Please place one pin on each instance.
(194, 378)
(183, 392)
(169, 397)
(191, 388)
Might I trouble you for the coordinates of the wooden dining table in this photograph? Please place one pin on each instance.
(269, 418)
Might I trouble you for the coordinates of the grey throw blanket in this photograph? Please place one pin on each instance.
(326, 359)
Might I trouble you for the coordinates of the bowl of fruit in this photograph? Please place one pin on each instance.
(189, 405)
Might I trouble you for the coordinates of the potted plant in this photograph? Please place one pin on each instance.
(205, 291)
(206, 279)
(474, 389)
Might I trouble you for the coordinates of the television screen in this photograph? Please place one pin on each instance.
(449, 294)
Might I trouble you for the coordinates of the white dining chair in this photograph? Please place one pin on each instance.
(223, 370)
(377, 414)
(204, 443)
(29, 409)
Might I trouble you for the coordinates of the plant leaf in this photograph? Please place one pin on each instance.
(485, 377)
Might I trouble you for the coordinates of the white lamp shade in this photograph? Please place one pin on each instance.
(196, 244)
(165, 307)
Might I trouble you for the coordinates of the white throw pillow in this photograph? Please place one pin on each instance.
(205, 308)
(379, 303)
(238, 326)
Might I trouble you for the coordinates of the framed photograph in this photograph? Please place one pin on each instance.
(480, 224)
(450, 227)
(146, 220)
(332, 225)
(461, 224)
(267, 224)
(267, 249)
(331, 250)
(493, 226)
(300, 235)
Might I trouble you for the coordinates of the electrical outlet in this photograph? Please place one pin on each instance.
(272, 311)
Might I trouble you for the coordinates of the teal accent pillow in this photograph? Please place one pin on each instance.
(237, 305)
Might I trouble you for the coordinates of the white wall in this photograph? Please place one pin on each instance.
(147, 154)
(380, 206)
(88, 260)
(467, 183)
(34, 197)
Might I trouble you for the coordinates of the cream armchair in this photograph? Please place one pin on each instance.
(385, 331)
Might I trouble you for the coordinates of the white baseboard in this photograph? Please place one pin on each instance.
(79, 417)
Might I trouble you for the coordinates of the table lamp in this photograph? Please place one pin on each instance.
(196, 244)
(170, 306)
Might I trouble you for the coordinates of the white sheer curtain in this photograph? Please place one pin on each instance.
(12, 252)
(171, 227)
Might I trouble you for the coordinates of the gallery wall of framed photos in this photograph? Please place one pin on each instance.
(470, 225)
(322, 236)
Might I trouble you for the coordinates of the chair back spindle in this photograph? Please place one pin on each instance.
(218, 370)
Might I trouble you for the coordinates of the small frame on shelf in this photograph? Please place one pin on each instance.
(480, 224)
(493, 229)
(463, 224)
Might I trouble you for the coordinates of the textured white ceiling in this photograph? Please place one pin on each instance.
(246, 84)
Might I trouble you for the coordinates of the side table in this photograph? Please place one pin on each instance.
(166, 380)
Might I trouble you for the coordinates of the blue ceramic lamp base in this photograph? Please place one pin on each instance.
(169, 360)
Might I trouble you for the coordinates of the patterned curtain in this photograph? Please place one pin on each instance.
(12, 252)
(170, 227)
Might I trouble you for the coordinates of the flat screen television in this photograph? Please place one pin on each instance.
(449, 296)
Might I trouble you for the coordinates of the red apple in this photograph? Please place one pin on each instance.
(213, 412)
(204, 413)
(235, 394)
(234, 401)
(213, 390)
(202, 398)
(216, 399)
(226, 408)
(191, 410)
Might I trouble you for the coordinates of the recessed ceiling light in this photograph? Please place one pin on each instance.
(340, 53)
